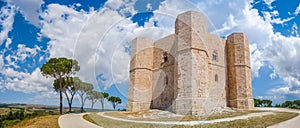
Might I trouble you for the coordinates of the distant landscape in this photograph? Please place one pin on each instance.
(12, 114)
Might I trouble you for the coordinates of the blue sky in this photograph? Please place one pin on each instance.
(97, 33)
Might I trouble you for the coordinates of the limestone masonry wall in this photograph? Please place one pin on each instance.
(239, 74)
(191, 72)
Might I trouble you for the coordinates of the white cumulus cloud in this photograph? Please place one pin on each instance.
(26, 82)
(7, 14)
(29, 8)
(297, 11)
(100, 39)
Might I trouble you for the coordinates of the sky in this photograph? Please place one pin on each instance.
(98, 34)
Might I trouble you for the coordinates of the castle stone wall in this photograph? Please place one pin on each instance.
(141, 66)
(191, 72)
(239, 73)
(163, 73)
(218, 79)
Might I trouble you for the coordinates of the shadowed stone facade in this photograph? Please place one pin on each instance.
(191, 72)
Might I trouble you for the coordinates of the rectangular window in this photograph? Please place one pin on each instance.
(214, 57)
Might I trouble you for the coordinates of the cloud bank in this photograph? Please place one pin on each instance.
(100, 39)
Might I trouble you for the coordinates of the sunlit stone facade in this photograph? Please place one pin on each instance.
(190, 72)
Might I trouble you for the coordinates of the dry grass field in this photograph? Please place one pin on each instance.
(48, 121)
(153, 116)
(4, 111)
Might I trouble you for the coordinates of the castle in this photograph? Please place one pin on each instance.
(191, 72)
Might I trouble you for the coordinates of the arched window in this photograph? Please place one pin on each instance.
(215, 56)
(216, 78)
(165, 57)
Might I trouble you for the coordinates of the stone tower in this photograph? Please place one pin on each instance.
(190, 72)
(192, 63)
(239, 71)
(140, 86)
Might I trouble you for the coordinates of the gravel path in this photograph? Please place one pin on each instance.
(190, 122)
(75, 121)
(292, 123)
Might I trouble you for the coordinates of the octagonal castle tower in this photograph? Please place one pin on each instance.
(190, 72)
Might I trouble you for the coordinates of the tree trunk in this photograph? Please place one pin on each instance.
(81, 109)
(60, 103)
(70, 107)
(82, 103)
(92, 104)
(60, 96)
(69, 100)
(114, 106)
(102, 106)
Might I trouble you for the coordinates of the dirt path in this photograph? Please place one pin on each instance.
(190, 122)
(292, 123)
(75, 121)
